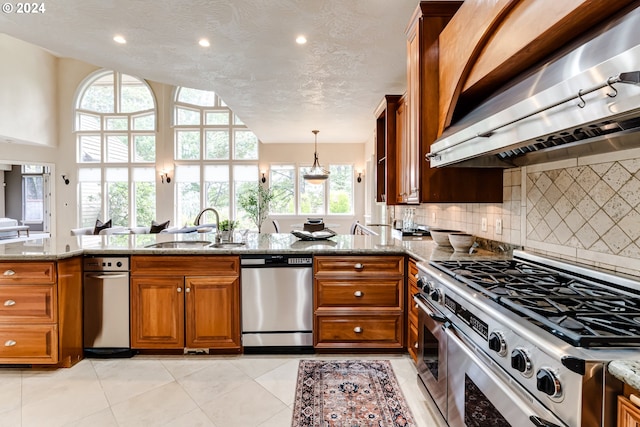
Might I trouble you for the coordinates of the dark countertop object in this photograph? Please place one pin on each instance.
(127, 244)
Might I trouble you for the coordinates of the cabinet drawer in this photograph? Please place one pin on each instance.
(379, 331)
(359, 265)
(29, 344)
(355, 293)
(27, 272)
(27, 304)
(412, 343)
(186, 265)
(412, 307)
(412, 277)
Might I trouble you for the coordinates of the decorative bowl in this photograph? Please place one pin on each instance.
(441, 236)
(461, 242)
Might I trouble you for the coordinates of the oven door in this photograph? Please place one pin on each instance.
(432, 352)
(481, 394)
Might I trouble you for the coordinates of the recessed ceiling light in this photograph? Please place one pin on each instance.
(120, 40)
(301, 39)
(204, 43)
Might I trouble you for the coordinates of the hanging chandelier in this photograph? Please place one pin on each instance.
(317, 174)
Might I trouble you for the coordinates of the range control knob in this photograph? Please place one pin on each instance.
(497, 343)
(548, 383)
(436, 295)
(520, 361)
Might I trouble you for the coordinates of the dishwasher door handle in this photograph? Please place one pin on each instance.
(108, 276)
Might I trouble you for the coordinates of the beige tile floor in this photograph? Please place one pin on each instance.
(212, 391)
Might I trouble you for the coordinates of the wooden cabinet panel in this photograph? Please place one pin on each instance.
(28, 304)
(157, 312)
(70, 311)
(412, 310)
(37, 344)
(17, 272)
(185, 265)
(375, 331)
(359, 265)
(628, 413)
(212, 307)
(386, 149)
(412, 341)
(358, 294)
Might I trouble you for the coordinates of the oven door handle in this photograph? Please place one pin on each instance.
(508, 391)
(437, 317)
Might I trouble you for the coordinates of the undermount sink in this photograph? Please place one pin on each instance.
(226, 245)
(181, 244)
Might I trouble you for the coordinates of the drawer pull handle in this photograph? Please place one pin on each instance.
(416, 275)
(179, 290)
(9, 303)
(358, 294)
(9, 273)
(416, 306)
(415, 345)
(359, 266)
(10, 343)
(357, 330)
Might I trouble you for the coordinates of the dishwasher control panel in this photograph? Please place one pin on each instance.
(275, 260)
(106, 263)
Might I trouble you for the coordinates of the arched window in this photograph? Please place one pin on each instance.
(216, 156)
(115, 126)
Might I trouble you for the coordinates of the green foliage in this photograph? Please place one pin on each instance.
(228, 225)
(254, 200)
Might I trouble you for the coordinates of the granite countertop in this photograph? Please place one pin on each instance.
(627, 371)
(284, 243)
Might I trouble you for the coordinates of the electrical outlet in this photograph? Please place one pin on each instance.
(499, 226)
(483, 227)
(433, 217)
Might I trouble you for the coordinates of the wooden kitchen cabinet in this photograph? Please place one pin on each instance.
(359, 302)
(628, 413)
(412, 310)
(386, 150)
(195, 305)
(417, 182)
(40, 312)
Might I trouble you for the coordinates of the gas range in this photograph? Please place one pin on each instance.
(548, 325)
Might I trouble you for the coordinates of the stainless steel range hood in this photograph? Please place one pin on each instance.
(584, 101)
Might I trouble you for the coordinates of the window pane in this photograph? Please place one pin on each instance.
(245, 145)
(216, 187)
(117, 180)
(341, 189)
(99, 96)
(188, 144)
(282, 182)
(187, 194)
(32, 198)
(117, 148)
(144, 122)
(89, 148)
(116, 123)
(237, 121)
(217, 117)
(217, 144)
(88, 122)
(144, 147)
(311, 196)
(90, 196)
(243, 177)
(197, 97)
(187, 117)
(134, 95)
(144, 191)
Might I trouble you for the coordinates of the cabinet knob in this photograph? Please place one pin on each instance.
(10, 343)
(416, 306)
(358, 266)
(357, 330)
(187, 290)
(179, 290)
(357, 294)
(9, 273)
(415, 345)
(9, 303)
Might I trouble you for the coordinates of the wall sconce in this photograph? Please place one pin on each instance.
(359, 178)
(264, 178)
(164, 176)
(65, 179)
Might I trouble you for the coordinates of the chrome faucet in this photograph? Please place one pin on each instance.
(196, 221)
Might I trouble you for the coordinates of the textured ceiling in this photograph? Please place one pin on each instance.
(355, 54)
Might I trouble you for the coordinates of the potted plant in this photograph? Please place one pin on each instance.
(226, 229)
(254, 200)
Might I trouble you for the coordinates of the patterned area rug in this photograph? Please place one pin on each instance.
(349, 393)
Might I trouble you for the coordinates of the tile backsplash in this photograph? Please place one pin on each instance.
(585, 210)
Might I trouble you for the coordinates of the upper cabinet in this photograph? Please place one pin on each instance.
(385, 137)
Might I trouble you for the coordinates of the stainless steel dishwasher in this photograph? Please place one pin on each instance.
(106, 307)
(277, 303)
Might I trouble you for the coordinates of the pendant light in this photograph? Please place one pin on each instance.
(317, 174)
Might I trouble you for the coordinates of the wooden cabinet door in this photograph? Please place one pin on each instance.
(212, 312)
(157, 312)
(628, 413)
(411, 166)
